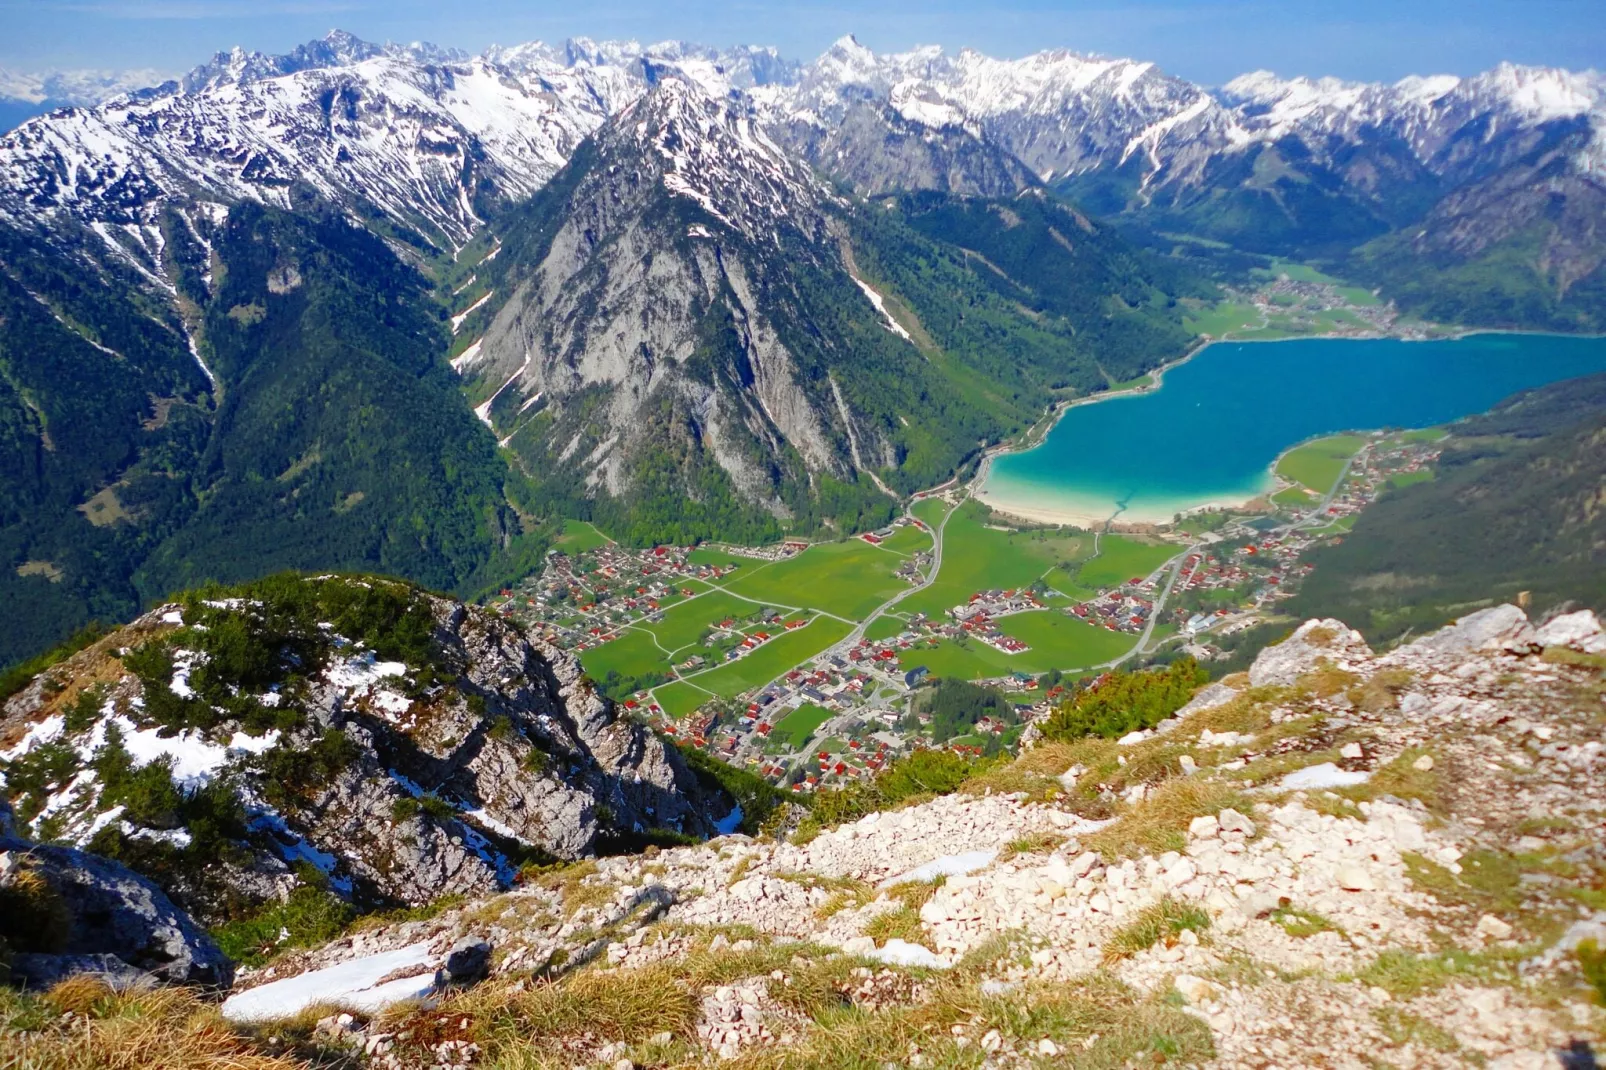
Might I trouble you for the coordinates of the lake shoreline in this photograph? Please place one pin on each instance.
(1163, 513)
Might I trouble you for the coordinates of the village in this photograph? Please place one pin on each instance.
(840, 715)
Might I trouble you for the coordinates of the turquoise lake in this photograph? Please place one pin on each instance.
(1211, 432)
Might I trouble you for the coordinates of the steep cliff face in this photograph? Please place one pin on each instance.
(655, 314)
(406, 745)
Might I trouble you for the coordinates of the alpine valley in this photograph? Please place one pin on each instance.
(509, 560)
(251, 315)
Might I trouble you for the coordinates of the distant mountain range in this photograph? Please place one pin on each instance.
(691, 292)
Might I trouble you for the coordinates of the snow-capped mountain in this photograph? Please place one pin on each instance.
(433, 138)
(1066, 114)
(684, 220)
(427, 136)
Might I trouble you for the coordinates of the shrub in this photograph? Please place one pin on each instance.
(1123, 702)
(312, 915)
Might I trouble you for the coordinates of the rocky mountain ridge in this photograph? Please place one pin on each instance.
(353, 733)
(1354, 854)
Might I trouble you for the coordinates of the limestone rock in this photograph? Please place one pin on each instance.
(1355, 879)
(117, 912)
(1301, 652)
(1503, 627)
(1494, 928)
(1579, 631)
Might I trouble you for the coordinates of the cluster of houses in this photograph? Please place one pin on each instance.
(1124, 609)
(581, 601)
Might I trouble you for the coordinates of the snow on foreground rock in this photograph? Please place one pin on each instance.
(1425, 915)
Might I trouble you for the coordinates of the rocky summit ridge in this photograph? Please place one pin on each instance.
(354, 734)
(1341, 858)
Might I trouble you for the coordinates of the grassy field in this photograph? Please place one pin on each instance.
(775, 657)
(632, 654)
(1122, 557)
(976, 557)
(884, 628)
(683, 624)
(1222, 319)
(1058, 642)
(1405, 479)
(579, 536)
(680, 698)
(1133, 384)
(796, 727)
(847, 579)
(930, 511)
(908, 540)
(1317, 464)
(1293, 496)
(705, 555)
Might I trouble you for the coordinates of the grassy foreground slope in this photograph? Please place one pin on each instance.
(1514, 506)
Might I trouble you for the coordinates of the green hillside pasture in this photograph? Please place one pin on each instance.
(1317, 463)
(631, 654)
(978, 558)
(848, 579)
(680, 698)
(1122, 557)
(907, 540)
(683, 624)
(1057, 641)
(796, 727)
(779, 655)
(579, 536)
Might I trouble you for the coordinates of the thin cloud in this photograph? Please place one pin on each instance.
(159, 10)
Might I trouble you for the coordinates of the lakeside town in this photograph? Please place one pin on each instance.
(843, 713)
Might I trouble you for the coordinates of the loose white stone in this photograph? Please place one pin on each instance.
(1355, 879)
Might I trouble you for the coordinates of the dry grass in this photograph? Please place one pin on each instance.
(1249, 712)
(549, 1021)
(901, 924)
(1560, 655)
(1038, 843)
(1098, 1023)
(1161, 923)
(1381, 690)
(1160, 823)
(136, 1029)
(915, 894)
(569, 882)
(1403, 780)
(1037, 771)
(1326, 680)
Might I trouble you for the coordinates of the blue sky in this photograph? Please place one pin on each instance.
(1206, 41)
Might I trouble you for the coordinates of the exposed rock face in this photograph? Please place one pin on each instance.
(117, 916)
(1498, 628)
(661, 315)
(877, 150)
(1311, 920)
(402, 780)
(1312, 642)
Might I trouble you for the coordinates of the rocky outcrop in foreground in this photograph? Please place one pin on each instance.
(349, 732)
(71, 912)
(1340, 859)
